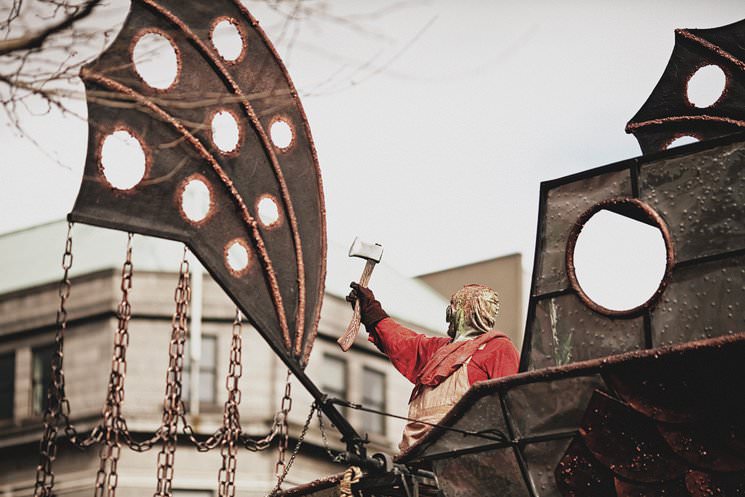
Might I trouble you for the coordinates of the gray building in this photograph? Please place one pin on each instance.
(29, 274)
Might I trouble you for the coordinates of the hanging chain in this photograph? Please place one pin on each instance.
(107, 476)
(295, 451)
(334, 457)
(44, 485)
(172, 404)
(231, 416)
(283, 432)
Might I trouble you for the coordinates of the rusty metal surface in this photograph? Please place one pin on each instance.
(610, 426)
(691, 194)
(281, 287)
(668, 113)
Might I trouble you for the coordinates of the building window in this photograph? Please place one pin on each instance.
(7, 379)
(373, 397)
(207, 371)
(334, 378)
(41, 376)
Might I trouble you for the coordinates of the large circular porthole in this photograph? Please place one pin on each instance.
(619, 257)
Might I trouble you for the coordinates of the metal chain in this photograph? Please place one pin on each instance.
(107, 477)
(283, 432)
(334, 457)
(172, 403)
(295, 451)
(44, 486)
(231, 417)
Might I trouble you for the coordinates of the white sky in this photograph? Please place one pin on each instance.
(434, 121)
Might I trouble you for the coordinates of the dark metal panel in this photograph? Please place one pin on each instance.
(542, 459)
(674, 488)
(547, 407)
(481, 474)
(700, 195)
(715, 485)
(564, 204)
(484, 416)
(565, 330)
(578, 474)
(628, 443)
(701, 301)
(668, 114)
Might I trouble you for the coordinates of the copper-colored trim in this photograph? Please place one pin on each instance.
(631, 127)
(87, 75)
(101, 138)
(313, 486)
(314, 154)
(288, 122)
(241, 33)
(180, 196)
(242, 243)
(711, 47)
(275, 224)
(241, 134)
(136, 39)
(649, 215)
(216, 61)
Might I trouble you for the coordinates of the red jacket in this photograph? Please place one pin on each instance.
(410, 352)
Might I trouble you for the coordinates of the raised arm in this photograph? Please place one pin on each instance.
(408, 350)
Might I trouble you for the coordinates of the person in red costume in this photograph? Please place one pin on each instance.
(441, 369)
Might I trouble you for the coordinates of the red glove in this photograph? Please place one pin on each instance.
(371, 311)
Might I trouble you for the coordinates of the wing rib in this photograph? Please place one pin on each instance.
(250, 222)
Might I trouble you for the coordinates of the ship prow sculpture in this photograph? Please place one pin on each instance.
(637, 402)
(642, 402)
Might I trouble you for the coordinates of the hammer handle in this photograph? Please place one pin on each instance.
(350, 334)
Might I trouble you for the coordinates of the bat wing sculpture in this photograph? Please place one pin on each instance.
(247, 201)
(673, 110)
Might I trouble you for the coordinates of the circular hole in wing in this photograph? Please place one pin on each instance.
(268, 211)
(236, 256)
(225, 131)
(281, 133)
(156, 60)
(227, 40)
(123, 160)
(682, 140)
(619, 262)
(706, 86)
(196, 200)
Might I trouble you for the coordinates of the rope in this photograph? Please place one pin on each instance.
(352, 475)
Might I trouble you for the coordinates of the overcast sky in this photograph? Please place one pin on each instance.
(434, 121)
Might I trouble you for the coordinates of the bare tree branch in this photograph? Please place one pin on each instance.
(36, 40)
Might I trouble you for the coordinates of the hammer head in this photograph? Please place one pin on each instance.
(369, 251)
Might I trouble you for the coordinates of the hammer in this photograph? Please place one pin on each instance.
(372, 253)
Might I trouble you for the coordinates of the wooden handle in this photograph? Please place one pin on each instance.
(350, 334)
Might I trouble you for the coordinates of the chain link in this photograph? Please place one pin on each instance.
(282, 422)
(231, 416)
(334, 457)
(295, 451)
(44, 486)
(107, 477)
(173, 406)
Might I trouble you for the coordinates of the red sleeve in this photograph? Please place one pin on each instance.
(499, 358)
(408, 351)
